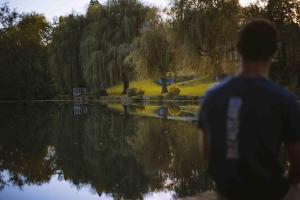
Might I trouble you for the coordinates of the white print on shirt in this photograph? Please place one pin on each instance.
(233, 128)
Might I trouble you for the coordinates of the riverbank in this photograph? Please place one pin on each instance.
(188, 91)
(148, 99)
(192, 88)
(178, 112)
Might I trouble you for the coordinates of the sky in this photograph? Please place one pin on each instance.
(52, 8)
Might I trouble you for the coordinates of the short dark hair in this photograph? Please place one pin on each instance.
(258, 40)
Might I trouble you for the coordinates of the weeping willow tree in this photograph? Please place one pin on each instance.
(64, 58)
(127, 18)
(93, 44)
(90, 50)
(153, 51)
(208, 28)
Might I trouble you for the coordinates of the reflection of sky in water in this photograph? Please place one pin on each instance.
(62, 190)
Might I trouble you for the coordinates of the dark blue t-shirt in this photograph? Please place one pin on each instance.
(246, 121)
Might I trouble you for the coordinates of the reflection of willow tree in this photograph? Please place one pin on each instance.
(188, 169)
(97, 153)
(68, 144)
(112, 166)
(24, 144)
(152, 147)
(171, 150)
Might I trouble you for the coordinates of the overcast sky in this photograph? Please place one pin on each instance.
(52, 8)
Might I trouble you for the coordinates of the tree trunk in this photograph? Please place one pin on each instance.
(218, 71)
(125, 85)
(126, 115)
(164, 88)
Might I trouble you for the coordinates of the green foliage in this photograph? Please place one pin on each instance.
(152, 51)
(209, 28)
(63, 53)
(282, 11)
(8, 18)
(25, 135)
(23, 62)
(90, 50)
(284, 14)
(119, 41)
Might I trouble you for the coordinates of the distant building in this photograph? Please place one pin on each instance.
(77, 92)
(81, 96)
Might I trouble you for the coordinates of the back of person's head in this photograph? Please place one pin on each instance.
(258, 41)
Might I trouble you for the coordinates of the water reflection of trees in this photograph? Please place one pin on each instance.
(170, 151)
(24, 140)
(123, 155)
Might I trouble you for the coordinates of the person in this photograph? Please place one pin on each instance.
(247, 119)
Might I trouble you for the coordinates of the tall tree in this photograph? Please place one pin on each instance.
(208, 27)
(284, 14)
(64, 53)
(128, 18)
(90, 50)
(153, 52)
(23, 62)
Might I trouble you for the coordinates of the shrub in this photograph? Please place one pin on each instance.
(135, 92)
(174, 91)
(140, 92)
(174, 110)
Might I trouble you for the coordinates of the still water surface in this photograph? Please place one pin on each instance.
(59, 151)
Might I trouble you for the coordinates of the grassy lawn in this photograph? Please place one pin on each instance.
(189, 88)
(151, 88)
(196, 90)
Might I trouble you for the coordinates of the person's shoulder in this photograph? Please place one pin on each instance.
(279, 91)
(217, 88)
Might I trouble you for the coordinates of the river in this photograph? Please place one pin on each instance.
(62, 151)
